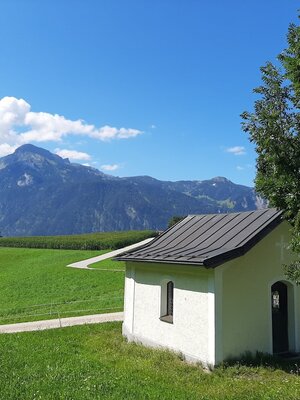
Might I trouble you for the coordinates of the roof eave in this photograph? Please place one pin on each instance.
(162, 261)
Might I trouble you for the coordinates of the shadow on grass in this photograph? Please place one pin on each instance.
(289, 362)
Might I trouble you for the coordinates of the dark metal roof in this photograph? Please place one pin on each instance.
(207, 240)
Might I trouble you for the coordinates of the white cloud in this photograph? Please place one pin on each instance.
(109, 132)
(12, 112)
(110, 167)
(153, 126)
(72, 154)
(243, 167)
(6, 149)
(236, 150)
(19, 125)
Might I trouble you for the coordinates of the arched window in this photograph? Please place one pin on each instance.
(170, 295)
(167, 301)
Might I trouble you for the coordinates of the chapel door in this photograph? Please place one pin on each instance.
(279, 317)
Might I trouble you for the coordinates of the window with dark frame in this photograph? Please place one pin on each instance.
(168, 312)
(275, 300)
(170, 291)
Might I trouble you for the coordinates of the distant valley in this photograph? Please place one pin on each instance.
(44, 194)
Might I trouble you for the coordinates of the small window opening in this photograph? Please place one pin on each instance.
(170, 291)
(167, 315)
(275, 300)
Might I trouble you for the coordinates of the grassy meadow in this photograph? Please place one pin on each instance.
(36, 284)
(94, 362)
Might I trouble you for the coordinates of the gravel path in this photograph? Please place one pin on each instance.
(61, 323)
(85, 263)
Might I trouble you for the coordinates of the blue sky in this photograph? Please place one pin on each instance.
(138, 87)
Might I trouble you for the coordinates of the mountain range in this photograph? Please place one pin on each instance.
(44, 194)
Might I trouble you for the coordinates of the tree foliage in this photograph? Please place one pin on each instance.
(175, 219)
(274, 128)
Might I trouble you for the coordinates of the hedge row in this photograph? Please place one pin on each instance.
(90, 241)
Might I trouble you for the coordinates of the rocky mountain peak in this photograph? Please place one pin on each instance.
(220, 179)
(29, 153)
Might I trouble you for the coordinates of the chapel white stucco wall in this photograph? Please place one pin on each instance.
(218, 313)
(243, 298)
(192, 332)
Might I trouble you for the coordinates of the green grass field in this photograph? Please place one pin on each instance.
(95, 362)
(36, 284)
(109, 264)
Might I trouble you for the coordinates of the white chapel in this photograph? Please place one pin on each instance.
(212, 287)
